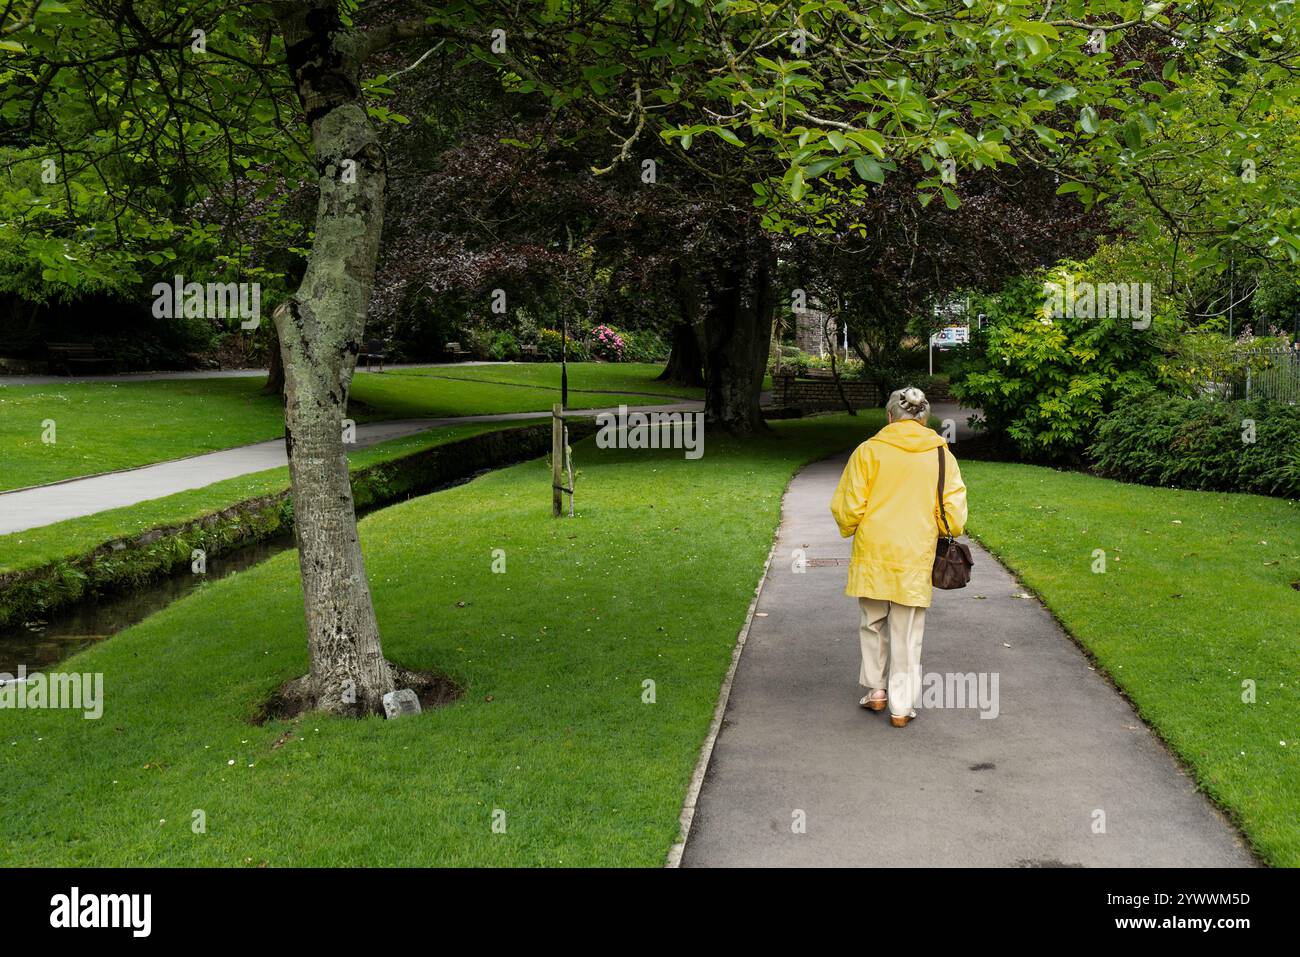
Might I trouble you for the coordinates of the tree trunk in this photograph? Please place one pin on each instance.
(878, 343)
(685, 364)
(275, 371)
(320, 330)
(734, 337)
(835, 372)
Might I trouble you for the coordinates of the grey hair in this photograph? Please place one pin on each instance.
(908, 403)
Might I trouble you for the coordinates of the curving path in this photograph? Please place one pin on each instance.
(1023, 789)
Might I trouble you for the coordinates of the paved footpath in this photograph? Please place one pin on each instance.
(46, 504)
(950, 789)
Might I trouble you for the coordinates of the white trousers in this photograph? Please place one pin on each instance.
(891, 651)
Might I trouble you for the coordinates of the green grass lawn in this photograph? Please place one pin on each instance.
(402, 394)
(589, 376)
(651, 581)
(35, 547)
(105, 426)
(1196, 599)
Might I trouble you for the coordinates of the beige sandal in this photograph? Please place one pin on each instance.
(900, 720)
(875, 704)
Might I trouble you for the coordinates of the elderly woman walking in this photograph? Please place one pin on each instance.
(888, 501)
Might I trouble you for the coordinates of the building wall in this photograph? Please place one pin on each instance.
(808, 331)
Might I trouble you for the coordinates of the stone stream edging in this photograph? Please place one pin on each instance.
(127, 564)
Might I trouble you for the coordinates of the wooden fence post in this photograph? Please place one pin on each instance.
(557, 460)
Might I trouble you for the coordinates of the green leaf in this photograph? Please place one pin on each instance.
(816, 169)
(868, 169)
(1059, 94)
(1036, 28)
(870, 140)
(727, 135)
(798, 187)
(1046, 134)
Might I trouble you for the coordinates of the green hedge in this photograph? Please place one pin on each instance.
(1203, 444)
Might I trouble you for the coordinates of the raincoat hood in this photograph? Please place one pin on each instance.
(909, 435)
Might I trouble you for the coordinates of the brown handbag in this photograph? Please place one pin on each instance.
(952, 559)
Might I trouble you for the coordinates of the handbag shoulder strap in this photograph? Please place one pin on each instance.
(943, 512)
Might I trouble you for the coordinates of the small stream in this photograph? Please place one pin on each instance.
(43, 643)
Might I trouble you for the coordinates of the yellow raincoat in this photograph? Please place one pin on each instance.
(887, 500)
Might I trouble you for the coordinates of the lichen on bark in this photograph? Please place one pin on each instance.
(319, 329)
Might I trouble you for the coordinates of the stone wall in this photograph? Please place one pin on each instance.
(817, 395)
(808, 331)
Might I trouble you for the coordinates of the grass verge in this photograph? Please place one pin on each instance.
(631, 377)
(106, 426)
(57, 565)
(34, 547)
(650, 582)
(1196, 606)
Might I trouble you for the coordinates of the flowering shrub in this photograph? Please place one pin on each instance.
(607, 343)
(549, 344)
(552, 348)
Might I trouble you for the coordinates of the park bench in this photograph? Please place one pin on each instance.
(530, 353)
(72, 357)
(373, 351)
(455, 353)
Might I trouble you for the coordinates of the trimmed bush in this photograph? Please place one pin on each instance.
(502, 347)
(644, 345)
(792, 360)
(1203, 444)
